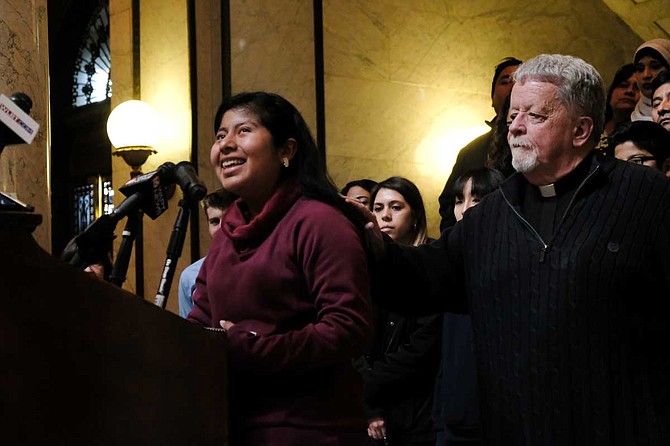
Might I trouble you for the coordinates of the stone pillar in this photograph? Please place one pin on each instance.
(24, 67)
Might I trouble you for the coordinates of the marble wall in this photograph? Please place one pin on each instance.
(272, 49)
(24, 67)
(407, 84)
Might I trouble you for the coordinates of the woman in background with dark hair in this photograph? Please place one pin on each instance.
(359, 190)
(471, 187)
(500, 155)
(287, 278)
(622, 96)
(400, 368)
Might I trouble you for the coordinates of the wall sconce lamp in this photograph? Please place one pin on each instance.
(132, 128)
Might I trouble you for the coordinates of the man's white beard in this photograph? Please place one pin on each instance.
(524, 155)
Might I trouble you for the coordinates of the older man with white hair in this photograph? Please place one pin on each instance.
(565, 272)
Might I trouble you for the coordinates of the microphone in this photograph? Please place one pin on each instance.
(16, 125)
(189, 182)
(130, 204)
(147, 192)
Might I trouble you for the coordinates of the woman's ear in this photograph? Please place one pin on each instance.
(288, 150)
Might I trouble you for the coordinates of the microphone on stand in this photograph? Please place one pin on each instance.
(194, 190)
(189, 182)
(16, 125)
(147, 192)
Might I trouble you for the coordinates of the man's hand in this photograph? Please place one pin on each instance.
(373, 234)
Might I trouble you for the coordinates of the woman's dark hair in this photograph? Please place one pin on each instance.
(499, 156)
(624, 73)
(308, 165)
(484, 180)
(647, 135)
(411, 194)
(662, 78)
(365, 183)
(504, 63)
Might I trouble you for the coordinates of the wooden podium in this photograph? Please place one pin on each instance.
(83, 362)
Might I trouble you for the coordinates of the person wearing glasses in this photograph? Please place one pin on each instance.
(641, 142)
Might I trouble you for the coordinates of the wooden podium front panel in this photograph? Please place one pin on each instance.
(84, 362)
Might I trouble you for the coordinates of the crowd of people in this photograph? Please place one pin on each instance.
(533, 318)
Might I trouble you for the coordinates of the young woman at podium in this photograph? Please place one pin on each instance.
(287, 278)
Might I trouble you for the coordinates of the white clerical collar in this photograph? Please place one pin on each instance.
(547, 191)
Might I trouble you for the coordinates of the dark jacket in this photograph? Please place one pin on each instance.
(455, 406)
(567, 329)
(399, 374)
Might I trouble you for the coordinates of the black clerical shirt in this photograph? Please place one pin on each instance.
(544, 213)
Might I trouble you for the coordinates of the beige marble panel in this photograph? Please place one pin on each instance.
(209, 75)
(165, 80)
(165, 77)
(648, 18)
(24, 67)
(272, 49)
(121, 34)
(121, 51)
(408, 83)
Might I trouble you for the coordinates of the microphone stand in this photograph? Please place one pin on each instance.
(174, 249)
(118, 275)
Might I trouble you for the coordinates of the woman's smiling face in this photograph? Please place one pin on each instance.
(245, 159)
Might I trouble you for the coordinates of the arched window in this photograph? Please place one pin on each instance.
(91, 84)
(92, 81)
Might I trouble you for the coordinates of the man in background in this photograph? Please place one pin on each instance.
(215, 205)
(474, 155)
(660, 102)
